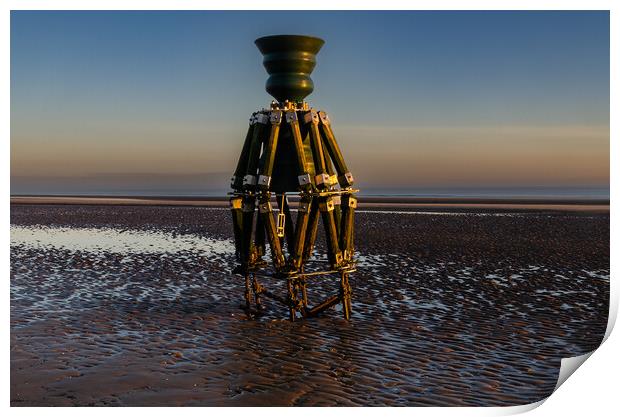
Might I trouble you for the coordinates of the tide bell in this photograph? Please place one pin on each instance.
(290, 157)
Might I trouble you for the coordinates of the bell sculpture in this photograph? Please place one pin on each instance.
(290, 151)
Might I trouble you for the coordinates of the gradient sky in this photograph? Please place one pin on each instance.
(158, 101)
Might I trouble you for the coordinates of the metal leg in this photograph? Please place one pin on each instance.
(305, 182)
(236, 203)
(304, 292)
(272, 235)
(249, 188)
(346, 235)
(303, 217)
(240, 171)
(292, 299)
(313, 225)
(249, 206)
(345, 288)
(271, 145)
(259, 239)
(248, 296)
(344, 176)
(257, 290)
(331, 235)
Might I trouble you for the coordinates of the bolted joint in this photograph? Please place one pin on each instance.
(322, 179)
(333, 180)
(346, 180)
(276, 117)
(264, 180)
(352, 202)
(304, 180)
(249, 180)
(324, 118)
(291, 116)
(312, 117)
(261, 118)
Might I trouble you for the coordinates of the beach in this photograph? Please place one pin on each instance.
(454, 304)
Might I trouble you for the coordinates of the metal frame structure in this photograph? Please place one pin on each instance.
(325, 191)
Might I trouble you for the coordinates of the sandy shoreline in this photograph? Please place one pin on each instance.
(395, 203)
(136, 305)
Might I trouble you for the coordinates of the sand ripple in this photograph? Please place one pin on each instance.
(121, 314)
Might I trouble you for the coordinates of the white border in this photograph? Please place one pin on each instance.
(593, 389)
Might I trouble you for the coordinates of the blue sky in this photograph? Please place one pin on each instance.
(421, 99)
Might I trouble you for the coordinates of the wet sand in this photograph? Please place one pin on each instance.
(373, 203)
(135, 305)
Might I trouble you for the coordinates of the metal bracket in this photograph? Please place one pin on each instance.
(249, 180)
(276, 117)
(262, 118)
(264, 180)
(322, 179)
(324, 117)
(291, 116)
(352, 202)
(304, 179)
(336, 200)
(346, 178)
(311, 117)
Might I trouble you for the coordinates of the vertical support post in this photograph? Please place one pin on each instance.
(303, 217)
(249, 188)
(347, 231)
(292, 299)
(265, 211)
(332, 182)
(313, 225)
(249, 180)
(304, 292)
(259, 238)
(331, 235)
(236, 203)
(249, 206)
(248, 299)
(257, 289)
(345, 289)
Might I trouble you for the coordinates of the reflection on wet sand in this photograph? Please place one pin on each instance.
(106, 311)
